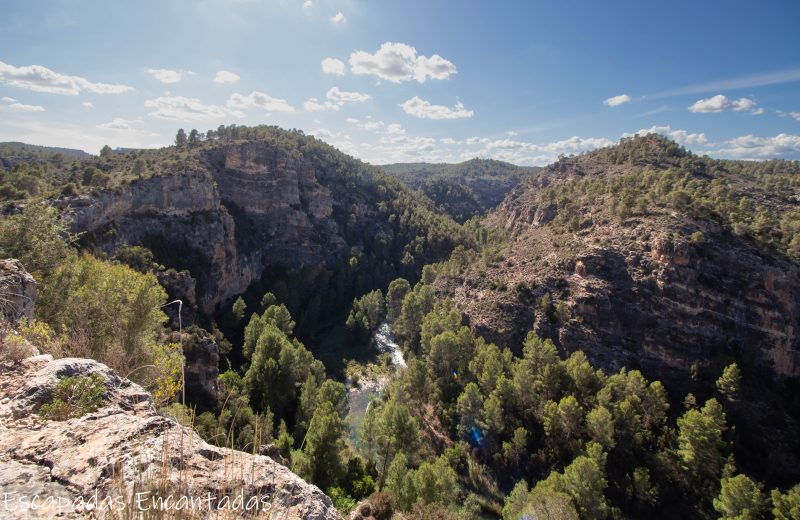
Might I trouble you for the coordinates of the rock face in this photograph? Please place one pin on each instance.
(125, 446)
(17, 291)
(245, 207)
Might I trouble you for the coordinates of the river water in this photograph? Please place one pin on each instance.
(369, 389)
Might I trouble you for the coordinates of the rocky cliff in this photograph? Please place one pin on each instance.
(232, 210)
(246, 209)
(115, 461)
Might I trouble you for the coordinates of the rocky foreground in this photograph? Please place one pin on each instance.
(119, 458)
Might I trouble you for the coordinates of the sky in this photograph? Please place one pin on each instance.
(407, 81)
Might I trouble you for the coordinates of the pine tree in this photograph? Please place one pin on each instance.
(729, 382)
(739, 498)
(180, 139)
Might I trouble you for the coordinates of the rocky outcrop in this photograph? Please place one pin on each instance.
(17, 291)
(124, 448)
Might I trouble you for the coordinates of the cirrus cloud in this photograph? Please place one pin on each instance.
(41, 79)
(398, 62)
(418, 107)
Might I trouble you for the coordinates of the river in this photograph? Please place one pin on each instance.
(368, 389)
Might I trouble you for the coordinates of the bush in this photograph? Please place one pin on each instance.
(343, 502)
(382, 504)
(13, 347)
(111, 313)
(74, 397)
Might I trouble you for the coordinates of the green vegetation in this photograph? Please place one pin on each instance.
(656, 176)
(74, 397)
(90, 307)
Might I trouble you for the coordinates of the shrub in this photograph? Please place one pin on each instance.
(73, 397)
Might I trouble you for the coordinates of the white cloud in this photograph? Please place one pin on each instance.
(617, 100)
(12, 105)
(717, 103)
(395, 129)
(786, 146)
(418, 107)
(511, 133)
(341, 96)
(41, 79)
(54, 133)
(448, 141)
(338, 18)
(188, 109)
(336, 99)
(226, 77)
(88, 104)
(333, 66)
(397, 62)
(259, 100)
(308, 4)
(352, 120)
(169, 75)
(679, 136)
(118, 123)
(720, 103)
(743, 104)
(314, 104)
(793, 115)
(522, 152)
(371, 125)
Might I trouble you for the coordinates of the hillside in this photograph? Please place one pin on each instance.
(462, 190)
(645, 256)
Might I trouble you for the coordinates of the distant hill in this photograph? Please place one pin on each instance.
(33, 150)
(462, 190)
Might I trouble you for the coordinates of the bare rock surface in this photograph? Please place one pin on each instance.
(17, 291)
(126, 447)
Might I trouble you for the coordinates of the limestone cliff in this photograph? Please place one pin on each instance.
(235, 210)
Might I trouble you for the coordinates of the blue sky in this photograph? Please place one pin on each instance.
(407, 81)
